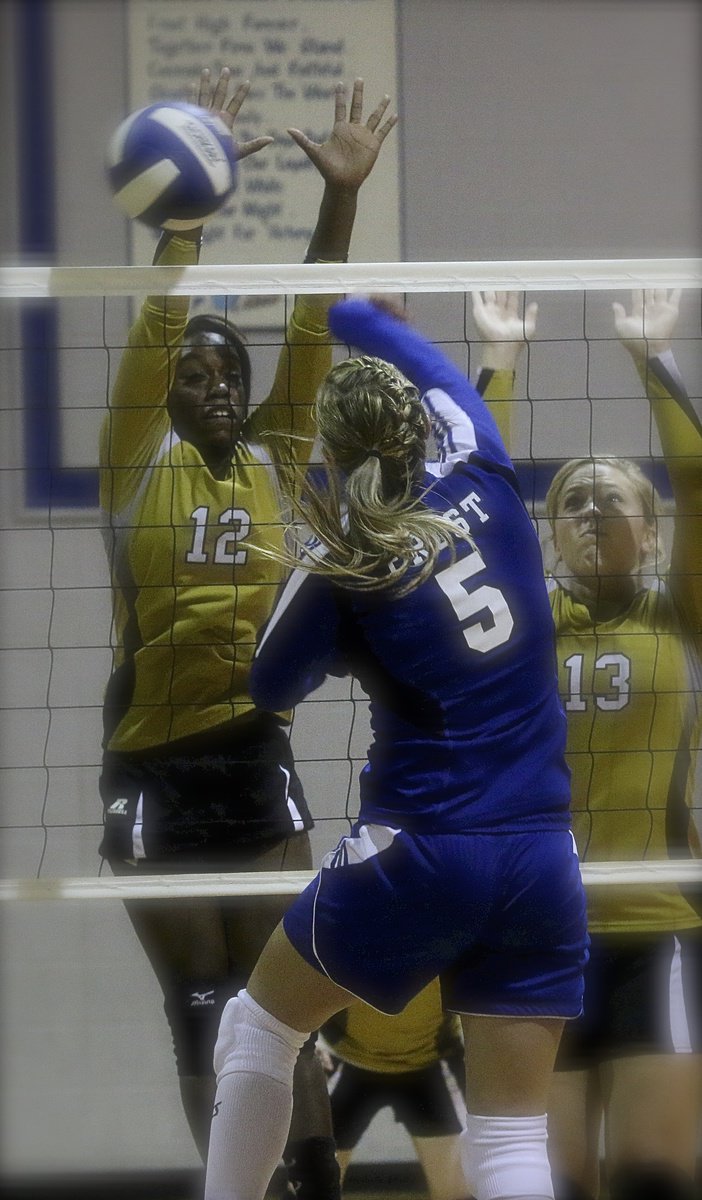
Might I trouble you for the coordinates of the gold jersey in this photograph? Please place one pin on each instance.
(631, 689)
(192, 588)
(414, 1038)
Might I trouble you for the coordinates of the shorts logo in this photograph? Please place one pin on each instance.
(369, 841)
(340, 857)
(118, 808)
(201, 999)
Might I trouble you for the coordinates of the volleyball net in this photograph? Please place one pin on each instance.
(63, 333)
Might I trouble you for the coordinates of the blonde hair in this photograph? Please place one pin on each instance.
(643, 487)
(375, 531)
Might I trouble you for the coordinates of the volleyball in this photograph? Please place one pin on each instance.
(171, 166)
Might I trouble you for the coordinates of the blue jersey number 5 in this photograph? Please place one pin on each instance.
(454, 581)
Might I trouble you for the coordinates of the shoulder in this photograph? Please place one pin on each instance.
(654, 602)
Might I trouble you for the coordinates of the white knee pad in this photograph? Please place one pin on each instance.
(250, 1039)
(505, 1158)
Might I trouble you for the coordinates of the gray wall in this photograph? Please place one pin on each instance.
(530, 129)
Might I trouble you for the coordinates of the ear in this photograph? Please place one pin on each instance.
(552, 529)
(649, 542)
(557, 556)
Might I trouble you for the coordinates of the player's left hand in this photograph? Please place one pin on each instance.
(389, 304)
(646, 331)
(349, 153)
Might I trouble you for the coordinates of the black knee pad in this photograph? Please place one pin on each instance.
(308, 1048)
(193, 1010)
(312, 1169)
(651, 1181)
(566, 1189)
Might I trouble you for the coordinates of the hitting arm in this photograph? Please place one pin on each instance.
(646, 333)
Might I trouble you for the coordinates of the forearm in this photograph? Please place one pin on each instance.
(678, 425)
(180, 249)
(137, 417)
(680, 434)
(496, 386)
(501, 356)
(299, 646)
(304, 361)
(330, 242)
(156, 333)
(331, 239)
(373, 331)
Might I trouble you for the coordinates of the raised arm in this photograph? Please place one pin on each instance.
(460, 420)
(344, 161)
(137, 420)
(646, 332)
(300, 645)
(504, 329)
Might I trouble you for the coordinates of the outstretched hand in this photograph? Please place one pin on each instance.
(214, 97)
(503, 326)
(389, 304)
(646, 331)
(349, 153)
(498, 316)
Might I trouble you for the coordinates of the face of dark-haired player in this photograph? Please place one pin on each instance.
(207, 404)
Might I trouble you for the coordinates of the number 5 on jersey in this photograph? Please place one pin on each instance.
(468, 605)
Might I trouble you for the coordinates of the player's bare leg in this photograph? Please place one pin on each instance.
(509, 1065)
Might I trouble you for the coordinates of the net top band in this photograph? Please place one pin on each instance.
(43, 282)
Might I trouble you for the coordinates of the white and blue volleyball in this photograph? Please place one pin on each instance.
(172, 166)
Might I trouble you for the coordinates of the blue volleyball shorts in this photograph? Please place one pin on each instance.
(501, 918)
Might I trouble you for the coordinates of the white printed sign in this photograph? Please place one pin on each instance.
(294, 52)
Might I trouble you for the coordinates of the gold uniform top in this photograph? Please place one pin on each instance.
(631, 690)
(191, 587)
(416, 1037)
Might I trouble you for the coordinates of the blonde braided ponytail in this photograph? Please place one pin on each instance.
(374, 431)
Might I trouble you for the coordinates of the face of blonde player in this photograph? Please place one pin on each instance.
(601, 531)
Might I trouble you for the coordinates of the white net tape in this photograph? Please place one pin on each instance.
(264, 279)
(289, 883)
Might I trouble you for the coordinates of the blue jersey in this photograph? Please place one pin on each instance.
(468, 731)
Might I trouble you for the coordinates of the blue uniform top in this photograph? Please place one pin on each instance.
(468, 731)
